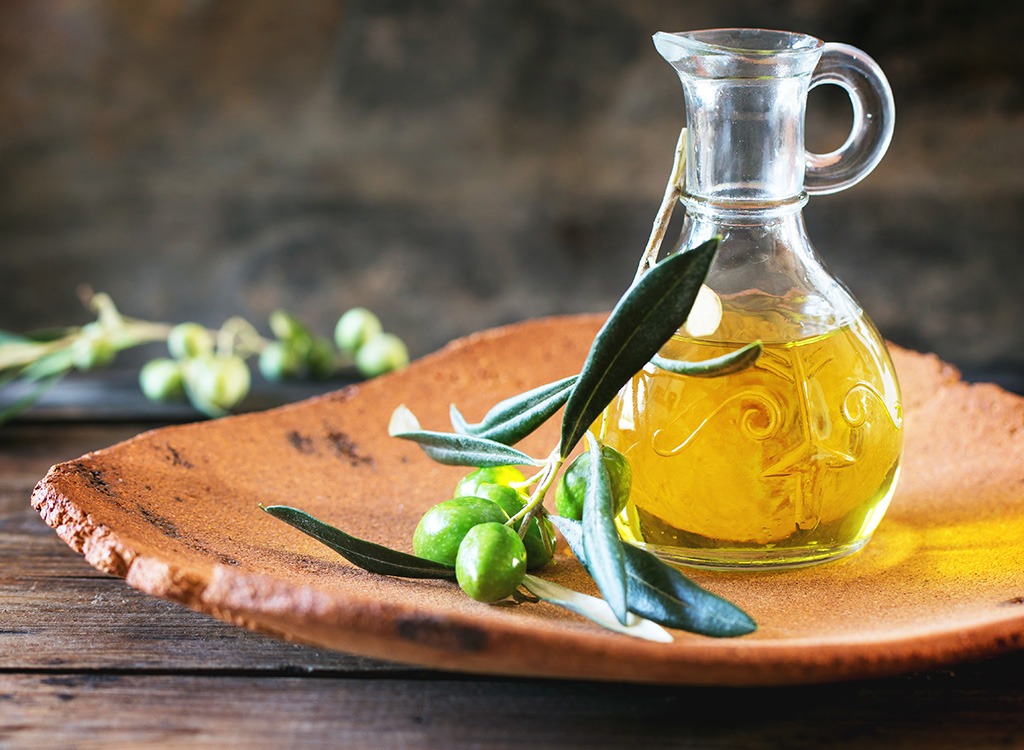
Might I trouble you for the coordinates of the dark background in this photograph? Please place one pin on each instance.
(458, 165)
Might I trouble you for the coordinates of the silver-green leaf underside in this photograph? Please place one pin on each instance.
(454, 449)
(511, 420)
(596, 610)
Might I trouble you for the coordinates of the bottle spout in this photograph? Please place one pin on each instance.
(739, 53)
(673, 47)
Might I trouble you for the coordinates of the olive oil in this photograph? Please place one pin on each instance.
(791, 461)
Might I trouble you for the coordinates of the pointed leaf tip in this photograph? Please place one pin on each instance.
(402, 421)
(727, 364)
(369, 556)
(596, 610)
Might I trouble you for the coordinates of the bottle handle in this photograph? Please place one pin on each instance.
(874, 114)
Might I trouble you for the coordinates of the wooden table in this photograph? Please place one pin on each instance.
(86, 661)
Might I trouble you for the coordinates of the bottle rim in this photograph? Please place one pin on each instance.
(744, 42)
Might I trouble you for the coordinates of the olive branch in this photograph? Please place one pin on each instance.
(635, 585)
(206, 366)
(640, 593)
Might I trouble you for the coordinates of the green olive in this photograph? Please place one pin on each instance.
(491, 562)
(507, 498)
(321, 358)
(279, 360)
(161, 379)
(441, 529)
(287, 327)
(572, 487)
(540, 537)
(355, 328)
(505, 475)
(189, 340)
(382, 353)
(222, 381)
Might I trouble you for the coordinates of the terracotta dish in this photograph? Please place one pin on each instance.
(174, 511)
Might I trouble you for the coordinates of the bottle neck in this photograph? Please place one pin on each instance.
(745, 139)
(765, 263)
(769, 237)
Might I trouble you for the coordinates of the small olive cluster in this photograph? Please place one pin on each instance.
(216, 378)
(473, 532)
(358, 335)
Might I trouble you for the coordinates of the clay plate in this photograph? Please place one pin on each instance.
(175, 512)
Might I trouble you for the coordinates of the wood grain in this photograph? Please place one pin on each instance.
(949, 710)
(59, 613)
(92, 663)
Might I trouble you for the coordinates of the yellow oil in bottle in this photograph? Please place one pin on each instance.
(791, 461)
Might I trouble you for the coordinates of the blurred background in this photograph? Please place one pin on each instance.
(455, 165)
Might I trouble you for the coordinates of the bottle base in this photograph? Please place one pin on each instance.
(765, 558)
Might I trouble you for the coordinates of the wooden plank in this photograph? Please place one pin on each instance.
(86, 661)
(102, 624)
(17, 515)
(33, 558)
(942, 711)
(31, 549)
(113, 395)
(27, 451)
(57, 612)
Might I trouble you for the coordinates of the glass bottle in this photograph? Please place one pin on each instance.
(794, 460)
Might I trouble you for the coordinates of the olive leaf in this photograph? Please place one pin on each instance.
(9, 337)
(403, 421)
(41, 386)
(54, 363)
(375, 558)
(511, 420)
(661, 593)
(42, 336)
(600, 539)
(709, 368)
(656, 588)
(643, 320)
(42, 375)
(15, 355)
(595, 609)
(453, 449)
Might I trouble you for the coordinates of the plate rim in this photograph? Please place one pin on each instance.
(747, 663)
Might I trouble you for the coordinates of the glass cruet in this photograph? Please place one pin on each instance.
(794, 460)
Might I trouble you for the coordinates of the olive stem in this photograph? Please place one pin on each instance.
(239, 336)
(143, 329)
(673, 190)
(121, 332)
(528, 481)
(106, 311)
(128, 332)
(21, 354)
(536, 502)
